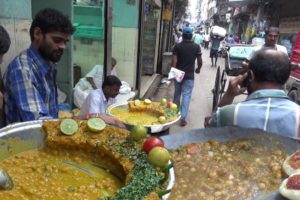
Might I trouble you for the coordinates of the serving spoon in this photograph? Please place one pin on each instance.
(90, 172)
(6, 182)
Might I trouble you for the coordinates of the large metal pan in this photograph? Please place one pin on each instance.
(285, 144)
(20, 137)
(151, 128)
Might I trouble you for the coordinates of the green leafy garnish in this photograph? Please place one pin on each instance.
(144, 177)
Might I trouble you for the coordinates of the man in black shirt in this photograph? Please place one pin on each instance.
(184, 56)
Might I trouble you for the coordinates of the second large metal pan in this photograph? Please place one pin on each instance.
(285, 144)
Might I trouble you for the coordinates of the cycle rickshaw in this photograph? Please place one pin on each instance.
(234, 57)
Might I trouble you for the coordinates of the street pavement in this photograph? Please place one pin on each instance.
(201, 102)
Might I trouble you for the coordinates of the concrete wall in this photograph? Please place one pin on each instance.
(125, 39)
(124, 14)
(88, 53)
(124, 49)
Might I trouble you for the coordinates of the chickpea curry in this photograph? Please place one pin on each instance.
(52, 174)
(234, 170)
(85, 165)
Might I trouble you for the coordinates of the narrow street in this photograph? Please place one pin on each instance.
(201, 103)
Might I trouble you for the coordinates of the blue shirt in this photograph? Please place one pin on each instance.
(30, 90)
(215, 42)
(270, 110)
(197, 38)
(230, 40)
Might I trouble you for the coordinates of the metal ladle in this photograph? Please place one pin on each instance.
(6, 182)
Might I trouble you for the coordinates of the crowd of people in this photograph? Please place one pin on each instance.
(30, 91)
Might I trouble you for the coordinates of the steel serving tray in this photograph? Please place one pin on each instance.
(152, 128)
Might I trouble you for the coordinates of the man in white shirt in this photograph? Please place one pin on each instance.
(206, 40)
(92, 80)
(98, 100)
(177, 35)
(271, 36)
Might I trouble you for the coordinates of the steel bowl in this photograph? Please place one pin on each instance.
(151, 128)
(20, 137)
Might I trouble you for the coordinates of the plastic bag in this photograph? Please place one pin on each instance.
(219, 31)
(176, 74)
(125, 88)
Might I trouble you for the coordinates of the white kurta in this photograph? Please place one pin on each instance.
(96, 102)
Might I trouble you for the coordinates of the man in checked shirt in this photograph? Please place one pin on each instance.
(30, 79)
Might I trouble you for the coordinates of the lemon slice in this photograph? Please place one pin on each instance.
(137, 102)
(96, 124)
(147, 101)
(68, 126)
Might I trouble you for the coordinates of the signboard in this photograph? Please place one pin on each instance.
(167, 15)
(291, 25)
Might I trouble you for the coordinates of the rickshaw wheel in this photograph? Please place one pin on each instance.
(216, 90)
(222, 84)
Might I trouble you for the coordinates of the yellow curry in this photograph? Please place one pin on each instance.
(57, 174)
(82, 166)
(135, 118)
(144, 114)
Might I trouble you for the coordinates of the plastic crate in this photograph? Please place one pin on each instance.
(91, 32)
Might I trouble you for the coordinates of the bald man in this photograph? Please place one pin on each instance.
(267, 106)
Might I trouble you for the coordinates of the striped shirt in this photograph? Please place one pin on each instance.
(270, 110)
(30, 90)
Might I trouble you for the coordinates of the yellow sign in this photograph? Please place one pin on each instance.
(167, 14)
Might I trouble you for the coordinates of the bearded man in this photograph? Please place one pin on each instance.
(30, 90)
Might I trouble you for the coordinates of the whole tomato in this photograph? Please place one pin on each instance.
(152, 142)
(169, 104)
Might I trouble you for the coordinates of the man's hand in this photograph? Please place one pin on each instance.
(91, 81)
(113, 121)
(234, 86)
(207, 120)
(198, 70)
(108, 119)
(234, 89)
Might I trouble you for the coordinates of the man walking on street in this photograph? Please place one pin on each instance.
(197, 38)
(184, 56)
(206, 41)
(215, 44)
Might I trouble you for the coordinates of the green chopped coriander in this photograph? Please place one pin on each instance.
(144, 177)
